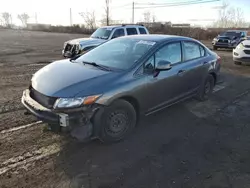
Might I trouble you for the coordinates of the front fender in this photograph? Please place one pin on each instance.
(108, 98)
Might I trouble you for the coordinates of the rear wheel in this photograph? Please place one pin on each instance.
(116, 121)
(206, 88)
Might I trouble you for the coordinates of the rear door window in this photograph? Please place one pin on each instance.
(131, 31)
(191, 51)
(171, 53)
(142, 30)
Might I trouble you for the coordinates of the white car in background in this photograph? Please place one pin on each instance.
(241, 54)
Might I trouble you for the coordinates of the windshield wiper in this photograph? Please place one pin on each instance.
(97, 65)
(96, 37)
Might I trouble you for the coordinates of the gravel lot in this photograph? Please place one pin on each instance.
(191, 144)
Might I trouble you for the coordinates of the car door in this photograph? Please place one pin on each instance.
(195, 65)
(163, 87)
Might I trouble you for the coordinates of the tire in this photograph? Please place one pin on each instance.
(237, 63)
(206, 88)
(115, 122)
(215, 48)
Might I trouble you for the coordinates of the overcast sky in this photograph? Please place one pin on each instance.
(57, 12)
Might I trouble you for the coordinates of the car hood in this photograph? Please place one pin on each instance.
(228, 37)
(66, 79)
(84, 42)
(246, 42)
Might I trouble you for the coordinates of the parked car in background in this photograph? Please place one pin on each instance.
(229, 39)
(241, 54)
(103, 34)
(102, 93)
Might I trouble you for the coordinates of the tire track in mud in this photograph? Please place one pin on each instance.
(15, 119)
(12, 103)
(23, 161)
(10, 107)
(23, 52)
(27, 138)
(20, 127)
(14, 78)
(23, 69)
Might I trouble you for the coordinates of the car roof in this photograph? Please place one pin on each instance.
(122, 25)
(237, 31)
(156, 37)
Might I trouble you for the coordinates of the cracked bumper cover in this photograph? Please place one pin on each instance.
(65, 118)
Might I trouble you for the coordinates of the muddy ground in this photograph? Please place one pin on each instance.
(191, 144)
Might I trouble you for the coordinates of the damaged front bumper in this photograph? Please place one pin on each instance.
(67, 54)
(76, 121)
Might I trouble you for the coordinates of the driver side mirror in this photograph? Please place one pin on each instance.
(163, 65)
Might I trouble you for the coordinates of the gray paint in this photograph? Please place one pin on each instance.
(66, 79)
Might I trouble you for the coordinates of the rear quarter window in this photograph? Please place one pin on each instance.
(131, 31)
(142, 30)
(202, 50)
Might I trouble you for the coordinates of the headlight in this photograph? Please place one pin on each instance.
(240, 46)
(75, 102)
(233, 41)
(215, 39)
(77, 48)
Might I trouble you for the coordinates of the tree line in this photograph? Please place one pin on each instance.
(228, 17)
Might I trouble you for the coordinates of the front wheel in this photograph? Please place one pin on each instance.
(215, 48)
(206, 88)
(116, 121)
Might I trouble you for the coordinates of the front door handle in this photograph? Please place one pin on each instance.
(181, 72)
(204, 63)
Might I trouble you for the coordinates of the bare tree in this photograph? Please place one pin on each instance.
(7, 19)
(230, 17)
(89, 18)
(24, 17)
(153, 18)
(1, 22)
(147, 17)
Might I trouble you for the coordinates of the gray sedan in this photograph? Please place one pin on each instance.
(102, 93)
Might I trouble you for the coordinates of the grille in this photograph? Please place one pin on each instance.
(68, 47)
(45, 101)
(247, 52)
(247, 46)
(223, 40)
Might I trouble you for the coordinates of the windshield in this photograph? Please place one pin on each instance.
(102, 33)
(230, 34)
(120, 53)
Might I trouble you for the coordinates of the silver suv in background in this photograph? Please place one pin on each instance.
(78, 46)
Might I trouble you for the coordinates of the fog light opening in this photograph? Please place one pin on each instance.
(236, 54)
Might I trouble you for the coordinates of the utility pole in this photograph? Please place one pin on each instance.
(107, 11)
(133, 12)
(70, 16)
